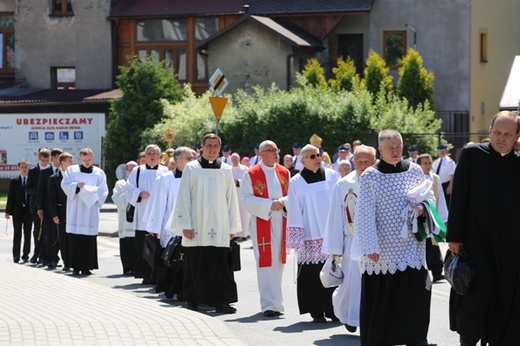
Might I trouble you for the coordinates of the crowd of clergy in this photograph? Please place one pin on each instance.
(362, 214)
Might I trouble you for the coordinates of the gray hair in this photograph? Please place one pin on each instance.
(152, 146)
(179, 151)
(388, 134)
(365, 149)
(265, 143)
(344, 163)
(306, 148)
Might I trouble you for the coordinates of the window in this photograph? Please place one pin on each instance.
(175, 59)
(62, 8)
(63, 78)
(205, 28)
(159, 30)
(7, 43)
(483, 47)
(394, 48)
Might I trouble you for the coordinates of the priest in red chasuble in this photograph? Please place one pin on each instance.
(263, 193)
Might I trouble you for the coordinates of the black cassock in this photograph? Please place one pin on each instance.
(484, 210)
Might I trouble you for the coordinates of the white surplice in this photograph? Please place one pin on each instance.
(82, 219)
(346, 298)
(159, 211)
(120, 195)
(307, 209)
(245, 216)
(207, 203)
(147, 181)
(269, 278)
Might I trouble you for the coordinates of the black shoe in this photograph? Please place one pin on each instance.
(192, 305)
(66, 269)
(25, 260)
(51, 265)
(33, 260)
(225, 309)
(350, 328)
(438, 277)
(86, 272)
(318, 318)
(16, 260)
(146, 282)
(75, 272)
(269, 313)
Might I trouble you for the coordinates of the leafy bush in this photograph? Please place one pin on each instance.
(415, 82)
(143, 84)
(376, 75)
(346, 76)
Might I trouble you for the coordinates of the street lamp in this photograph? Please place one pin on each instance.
(414, 35)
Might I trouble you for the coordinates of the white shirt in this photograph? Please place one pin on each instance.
(447, 168)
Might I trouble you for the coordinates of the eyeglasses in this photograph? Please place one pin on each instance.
(271, 151)
(313, 156)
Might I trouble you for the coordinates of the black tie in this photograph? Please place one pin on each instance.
(439, 167)
(56, 170)
(24, 193)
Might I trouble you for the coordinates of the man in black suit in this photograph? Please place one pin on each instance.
(18, 208)
(58, 207)
(31, 188)
(44, 212)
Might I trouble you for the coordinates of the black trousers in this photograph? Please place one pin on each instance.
(52, 239)
(64, 244)
(141, 268)
(21, 222)
(127, 253)
(40, 253)
(448, 197)
(433, 257)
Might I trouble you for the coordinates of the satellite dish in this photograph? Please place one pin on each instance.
(121, 171)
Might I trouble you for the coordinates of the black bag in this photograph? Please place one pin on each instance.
(173, 254)
(130, 209)
(130, 212)
(459, 271)
(234, 256)
(151, 246)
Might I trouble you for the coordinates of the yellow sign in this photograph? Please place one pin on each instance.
(218, 104)
(169, 137)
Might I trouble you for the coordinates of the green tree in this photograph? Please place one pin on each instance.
(345, 73)
(415, 82)
(417, 126)
(314, 74)
(376, 75)
(143, 84)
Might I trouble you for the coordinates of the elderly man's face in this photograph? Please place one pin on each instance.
(344, 170)
(363, 160)
(235, 160)
(391, 150)
(426, 165)
(152, 157)
(287, 161)
(311, 159)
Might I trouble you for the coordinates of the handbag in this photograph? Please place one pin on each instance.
(331, 274)
(151, 245)
(459, 271)
(173, 254)
(234, 256)
(130, 209)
